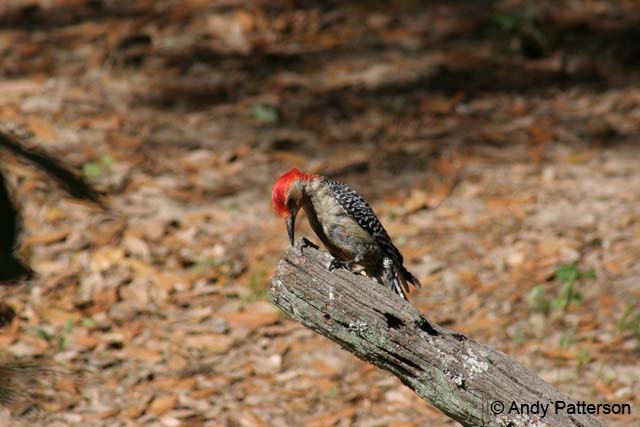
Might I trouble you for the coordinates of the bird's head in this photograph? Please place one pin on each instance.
(286, 196)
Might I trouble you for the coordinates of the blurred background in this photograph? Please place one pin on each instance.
(497, 141)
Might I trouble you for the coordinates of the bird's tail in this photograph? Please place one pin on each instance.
(397, 278)
(11, 267)
(74, 183)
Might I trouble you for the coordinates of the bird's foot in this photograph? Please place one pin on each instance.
(336, 263)
(306, 243)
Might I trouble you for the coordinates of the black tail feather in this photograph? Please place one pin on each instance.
(397, 278)
(73, 183)
(411, 278)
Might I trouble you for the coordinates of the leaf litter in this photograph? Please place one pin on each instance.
(492, 169)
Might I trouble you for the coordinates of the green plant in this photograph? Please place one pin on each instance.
(332, 392)
(567, 296)
(523, 32)
(62, 340)
(519, 337)
(94, 170)
(203, 264)
(568, 275)
(538, 300)
(256, 284)
(583, 358)
(88, 322)
(567, 339)
(630, 320)
(264, 113)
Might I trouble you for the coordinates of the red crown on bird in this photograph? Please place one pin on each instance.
(281, 188)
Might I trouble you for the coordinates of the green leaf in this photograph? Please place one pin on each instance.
(65, 342)
(567, 296)
(506, 21)
(538, 300)
(583, 358)
(88, 322)
(68, 327)
(106, 161)
(44, 335)
(630, 320)
(566, 340)
(567, 273)
(264, 113)
(92, 170)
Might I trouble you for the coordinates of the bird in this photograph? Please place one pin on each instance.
(345, 224)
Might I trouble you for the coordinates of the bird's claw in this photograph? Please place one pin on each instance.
(336, 263)
(306, 243)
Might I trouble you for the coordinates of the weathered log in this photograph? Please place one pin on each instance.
(470, 382)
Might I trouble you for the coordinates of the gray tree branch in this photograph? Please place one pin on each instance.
(461, 377)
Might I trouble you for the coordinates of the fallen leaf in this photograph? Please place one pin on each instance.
(46, 238)
(162, 404)
(142, 354)
(43, 130)
(251, 320)
(57, 316)
(330, 419)
(212, 343)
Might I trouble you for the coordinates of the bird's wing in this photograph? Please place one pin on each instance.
(358, 209)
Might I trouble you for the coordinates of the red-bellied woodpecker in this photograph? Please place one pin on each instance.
(346, 225)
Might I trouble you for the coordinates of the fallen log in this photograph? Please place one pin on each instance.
(470, 382)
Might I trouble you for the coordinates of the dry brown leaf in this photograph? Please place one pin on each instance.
(331, 419)
(8, 333)
(142, 354)
(46, 238)
(249, 419)
(212, 343)
(86, 342)
(57, 316)
(67, 384)
(43, 130)
(167, 383)
(540, 135)
(604, 389)
(616, 265)
(106, 234)
(440, 105)
(19, 88)
(563, 354)
(55, 214)
(175, 362)
(162, 404)
(204, 393)
(163, 281)
(325, 385)
(251, 320)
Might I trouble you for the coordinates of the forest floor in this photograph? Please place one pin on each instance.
(498, 143)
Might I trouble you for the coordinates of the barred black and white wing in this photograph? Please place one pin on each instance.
(358, 208)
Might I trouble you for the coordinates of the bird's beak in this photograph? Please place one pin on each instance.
(291, 223)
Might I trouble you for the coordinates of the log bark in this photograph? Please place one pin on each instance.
(460, 376)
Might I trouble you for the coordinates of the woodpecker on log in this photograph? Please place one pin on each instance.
(346, 225)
